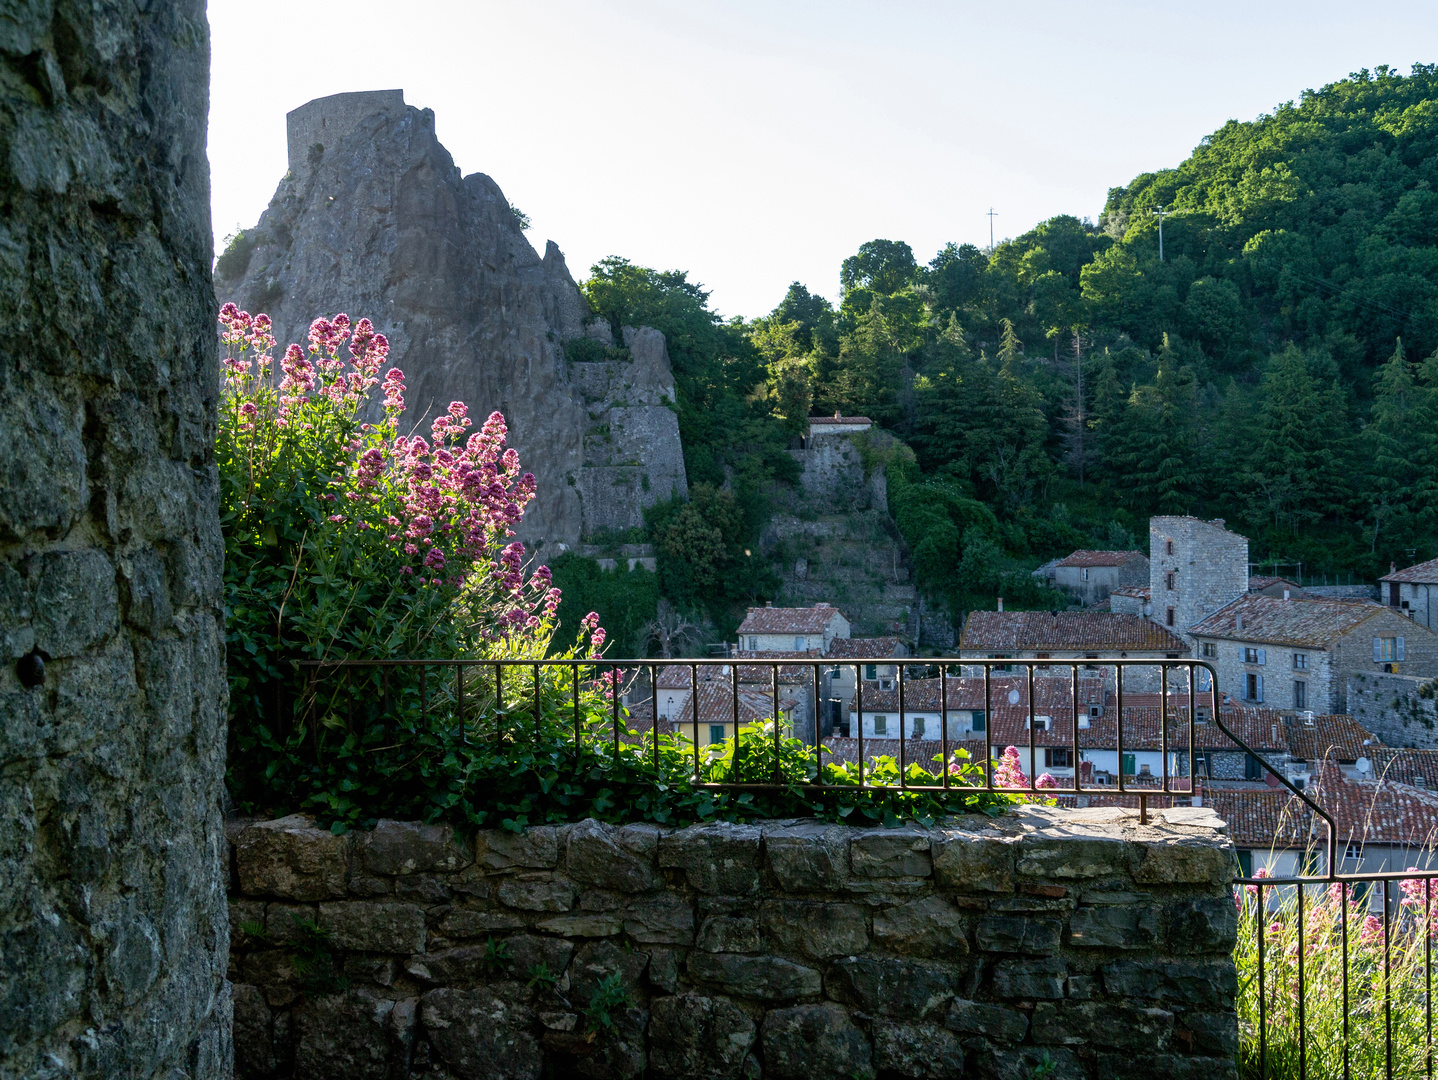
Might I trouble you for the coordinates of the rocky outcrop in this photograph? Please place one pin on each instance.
(979, 947)
(113, 935)
(375, 219)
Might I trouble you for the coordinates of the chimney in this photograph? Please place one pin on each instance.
(1001, 603)
(1239, 627)
(836, 414)
(768, 603)
(1393, 568)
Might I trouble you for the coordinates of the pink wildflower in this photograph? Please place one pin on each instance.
(1372, 930)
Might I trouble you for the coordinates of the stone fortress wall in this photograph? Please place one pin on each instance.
(113, 933)
(793, 949)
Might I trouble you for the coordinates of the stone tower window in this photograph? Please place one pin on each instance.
(1169, 580)
(1170, 616)
(1169, 548)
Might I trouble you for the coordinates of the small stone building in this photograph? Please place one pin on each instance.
(1090, 576)
(1411, 591)
(1195, 568)
(786, 630)
(1300, 653)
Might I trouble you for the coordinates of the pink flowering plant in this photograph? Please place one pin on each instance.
(1337, 923)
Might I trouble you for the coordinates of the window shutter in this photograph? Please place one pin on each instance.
(1262, 656)
(1400, 649)
(1260, 687)
(1377, 650)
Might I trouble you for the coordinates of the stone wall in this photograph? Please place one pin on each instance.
(112, 913)
(1402, 710)
(791, 949)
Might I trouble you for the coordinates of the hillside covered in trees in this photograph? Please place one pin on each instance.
(1274, 363)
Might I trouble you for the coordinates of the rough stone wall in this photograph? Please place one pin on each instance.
(1278, 674)
(791, 949)
(1211, 566)
(113, 933)
(1402, 710)
(374, 219)
(834, 480)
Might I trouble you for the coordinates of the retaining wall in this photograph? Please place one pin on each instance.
(790, 949)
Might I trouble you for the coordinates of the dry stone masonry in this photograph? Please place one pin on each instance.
(981, 948)
(113, 933)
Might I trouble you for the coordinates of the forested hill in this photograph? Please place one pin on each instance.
(1275, 367)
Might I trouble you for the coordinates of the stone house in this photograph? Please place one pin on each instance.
(792, 630)
(1090, 576)
(713, 714)
(844, 676)
(1130, 600)
(1067, 636)
(1411, 591)
(1300, 653)
(1195, 568)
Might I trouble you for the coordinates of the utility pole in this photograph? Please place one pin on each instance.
(1159, 212)
(991, 230)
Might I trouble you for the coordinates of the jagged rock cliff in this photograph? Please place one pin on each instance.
(374, 219)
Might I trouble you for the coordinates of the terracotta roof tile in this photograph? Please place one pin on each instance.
(1138, 592)
(779, 620)
(1340, 738)
(1076, 630)
(1418, 573)
(859, 648)
(1086, 557)
(1312, 622)
(822, 420)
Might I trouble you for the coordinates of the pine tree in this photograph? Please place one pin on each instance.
(1390, 441)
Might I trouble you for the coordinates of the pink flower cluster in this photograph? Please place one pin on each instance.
(1009, 772)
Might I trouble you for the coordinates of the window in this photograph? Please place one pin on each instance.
(1095, 710)
(1252, 768)
(871, 671)
(881, 724)
(1200, 766)
(1169, 580)
(1300, 694)
(1057, 758)
(716, 733)
(1129, 764)
(1300, 661)
(798, 644)
(1253, 687)
(1387, 649)
(1354, 850)
(1255, 656)
(753, 643)
(1168, 547)
(1209, 649)
(1041, 723)
(918, 727)
(1170, 616)
(976, 720)
(1083, 574)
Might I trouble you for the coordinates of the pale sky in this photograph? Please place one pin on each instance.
(758, 143)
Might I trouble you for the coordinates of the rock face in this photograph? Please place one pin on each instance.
(979, 947)
(374, 219)
(113, 929)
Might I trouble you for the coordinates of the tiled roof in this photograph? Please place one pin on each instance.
(864, 648)
(1085, 557)
(1316, 623)
(787, 620)
(821, 420)
(1419, 573)
(1340, 738)
(716, 706)
(1257, 584)
(1096, 630)
(677, 676)
(1138, 592)
(1418, 768)
(1364, 811)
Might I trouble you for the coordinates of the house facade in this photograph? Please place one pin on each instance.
(771, 629)
(1298, 654)
(1068, 636)
(1411, 591)
(1090, 576)
(1195, 568)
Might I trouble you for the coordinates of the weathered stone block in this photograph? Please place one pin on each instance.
(593, 857)
(1031, 979)
(891, 853)
(994, 1022)
(352, 1036)
(545, 894)
(814, 1042)
(918, 1050)
(253, 1033)
(599, 960)
(407, 847)
(808, 857)
(966, 862)
(465, 923)
(665, 920)
(814, 929)
(290, 858)
(480, 1035)
(1018, 934)
(594, 924)
(720, 858)
(1187, 860)
(913, 989)
(663, 969)
(1115, 927)
(1102, 1023)
(1169, 1066)
(374, 926)
(1067, 852)
(928, 927)
(1207, 1034)
(767, 978)
(699, 1038)
(1214, 982)
(370, 970)
(726, 933)
(1198, 926)
(472, 965)
(535, 848)
(247, 923)
(1027, 1062)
